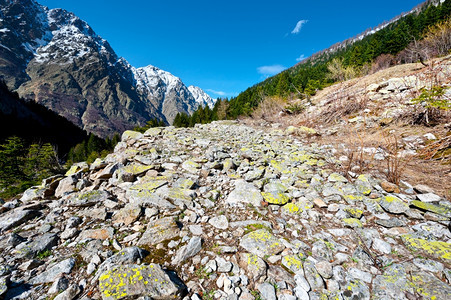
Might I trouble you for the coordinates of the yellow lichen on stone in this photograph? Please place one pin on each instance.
(261, 235)
(292, 260)
(136, 169)
(276, 198)
(354, 212)
(438, 209)
(441, 250)
(352, 222)
(292, 208)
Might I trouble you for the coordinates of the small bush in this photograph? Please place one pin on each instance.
(432, 106)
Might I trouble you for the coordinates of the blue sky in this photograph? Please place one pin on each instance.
(225, 47)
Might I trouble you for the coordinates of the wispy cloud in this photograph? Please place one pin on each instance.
(298, 27)
(300, 58)
(270, 70)
(220, 93)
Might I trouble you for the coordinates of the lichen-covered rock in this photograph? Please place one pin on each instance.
(78, 167)
(352, 223)
(311, 274)
(438, 249)
(356, 289)
(429, 286)
(191, 166)
(435, 208)
(393, 204)
(261, 243)
(131, 135)
(277, 198)
(89, 198)
(133, 281)
(293, 263)
(297, 207)
(363, 185)
(41, 244)
(255, 266)
(335, 177)
(33, 193)
(159, 231)
(3, 285)
(354, 212)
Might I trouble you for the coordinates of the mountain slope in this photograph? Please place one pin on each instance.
(56, 59)
(35, 123)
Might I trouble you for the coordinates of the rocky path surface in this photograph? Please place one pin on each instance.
(223, 211)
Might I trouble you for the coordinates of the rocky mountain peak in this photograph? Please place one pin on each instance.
(53, 57)
(201, 97)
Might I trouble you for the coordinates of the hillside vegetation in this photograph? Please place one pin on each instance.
(393, 44)
(418, 36)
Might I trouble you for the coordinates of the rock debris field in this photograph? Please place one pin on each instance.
(223, 211)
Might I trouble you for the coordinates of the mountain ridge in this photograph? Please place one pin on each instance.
(56, 59)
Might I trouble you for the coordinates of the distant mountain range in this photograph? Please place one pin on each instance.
(54, 58)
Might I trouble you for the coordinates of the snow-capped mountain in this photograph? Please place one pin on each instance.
(53, 57)
(201, 97)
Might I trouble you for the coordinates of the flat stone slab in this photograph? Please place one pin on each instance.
(134, 281)
(435, 208)
(90, 198)
(16, 217)
(393, 204)
(396, 281)
(127, 215)
(159, 231)
(243, 193)
(98, 234)
(64, 267)
(261, 243)
(219, 222)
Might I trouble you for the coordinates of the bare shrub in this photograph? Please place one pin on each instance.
(382, 62)
(414, 52)
(395, 162)
(438, 38)
(269, 109)
(343, 106)
(436, 42)
(438, 150)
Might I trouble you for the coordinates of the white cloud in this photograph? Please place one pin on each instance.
(300, 58)
(298, 27)
(270, 70)
(220, 93)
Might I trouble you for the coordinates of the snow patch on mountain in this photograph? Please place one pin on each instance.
(201, 97)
